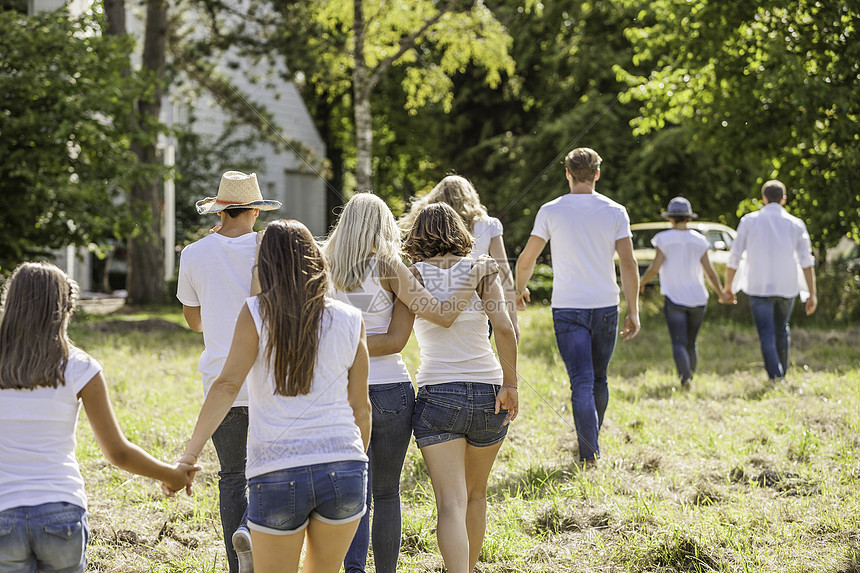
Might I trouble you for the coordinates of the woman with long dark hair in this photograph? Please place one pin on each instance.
(305, 358)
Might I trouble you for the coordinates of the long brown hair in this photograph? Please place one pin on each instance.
(293, 282)
(437, 230)
(34, 343)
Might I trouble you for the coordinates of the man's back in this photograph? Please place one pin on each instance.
(777, 246)
(582, 230)
(215, 275)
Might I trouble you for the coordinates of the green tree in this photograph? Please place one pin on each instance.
(769, 88)
(65, 140)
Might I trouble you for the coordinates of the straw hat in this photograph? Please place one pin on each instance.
(236, 190)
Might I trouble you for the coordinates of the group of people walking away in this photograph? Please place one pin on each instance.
(308, 402)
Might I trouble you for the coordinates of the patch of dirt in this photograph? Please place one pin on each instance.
(786, 483)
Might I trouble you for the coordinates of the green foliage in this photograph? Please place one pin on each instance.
(769, 88)
(65, 138)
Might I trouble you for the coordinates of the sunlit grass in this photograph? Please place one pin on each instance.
(736, 475)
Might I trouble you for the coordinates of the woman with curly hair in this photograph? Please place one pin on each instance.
(460, 194)
(466, 396)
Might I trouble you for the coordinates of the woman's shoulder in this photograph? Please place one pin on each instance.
(490, 224)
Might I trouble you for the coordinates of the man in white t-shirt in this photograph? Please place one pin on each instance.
(585, 230)
(779, 266)
(214, 281)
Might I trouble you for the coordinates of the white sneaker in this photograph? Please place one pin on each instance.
(242, 547)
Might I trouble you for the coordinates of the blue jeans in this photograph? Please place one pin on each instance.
(771, 314)
(389, 439)
(684, 323)
(282, 502)
(49, 538)
(231, 445)
(586, 341)
(454, 410)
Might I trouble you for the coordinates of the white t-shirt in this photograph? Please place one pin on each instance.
(777, 248)
(581, 230)
(215, 274)
(682, 278)
(37, 440)
(376, 305)
(461, 352)
(485, 230)
(314, 428)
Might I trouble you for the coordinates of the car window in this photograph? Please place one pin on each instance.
(713, 238)
(727, 239)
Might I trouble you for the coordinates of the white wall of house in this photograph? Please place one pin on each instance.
(290, 177)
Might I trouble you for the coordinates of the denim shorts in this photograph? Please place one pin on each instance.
(454, 410)
(282, 502)
(50, 537)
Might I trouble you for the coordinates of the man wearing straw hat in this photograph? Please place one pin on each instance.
(214, 281)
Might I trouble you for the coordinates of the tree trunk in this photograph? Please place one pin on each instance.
(145, 280)
(361, 105)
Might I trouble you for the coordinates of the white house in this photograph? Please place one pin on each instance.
(291, 177)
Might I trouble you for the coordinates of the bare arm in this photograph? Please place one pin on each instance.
(116, 447)
(497, 251)
(193, 318)
(357, 390)
(728, 296)
(713, 277)
(224, 390)
(630, 284)
(255, 276)
(419, 300)
(812, 301)
(492, 296)
(651, 272)
(525, 268)
(399, 330)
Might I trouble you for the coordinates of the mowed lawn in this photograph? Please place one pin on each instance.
(737, 475)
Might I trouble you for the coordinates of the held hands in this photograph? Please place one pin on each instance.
(728, 297)
(183, 477)
(508, 399)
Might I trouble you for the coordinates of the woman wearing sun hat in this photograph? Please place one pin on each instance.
(681, 256)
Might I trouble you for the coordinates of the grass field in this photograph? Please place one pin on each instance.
(737, 475)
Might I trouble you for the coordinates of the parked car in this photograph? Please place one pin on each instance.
(719, 236)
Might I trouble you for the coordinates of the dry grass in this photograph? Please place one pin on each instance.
(737, 475)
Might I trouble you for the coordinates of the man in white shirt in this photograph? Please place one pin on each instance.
(585, 230)
(214, 281)
(779, 266)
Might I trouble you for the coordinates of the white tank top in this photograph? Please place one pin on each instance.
(314, 428)
(462, 352)
(376, 305)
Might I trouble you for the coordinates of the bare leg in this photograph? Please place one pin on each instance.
(479, 462)
(277, 553)
(446, 465)
(327, 545)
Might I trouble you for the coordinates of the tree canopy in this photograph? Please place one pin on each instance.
(64, 139)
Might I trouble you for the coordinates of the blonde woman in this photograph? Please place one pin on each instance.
(364, 255)
(466, 396)
(44, 379)
(460, 194)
